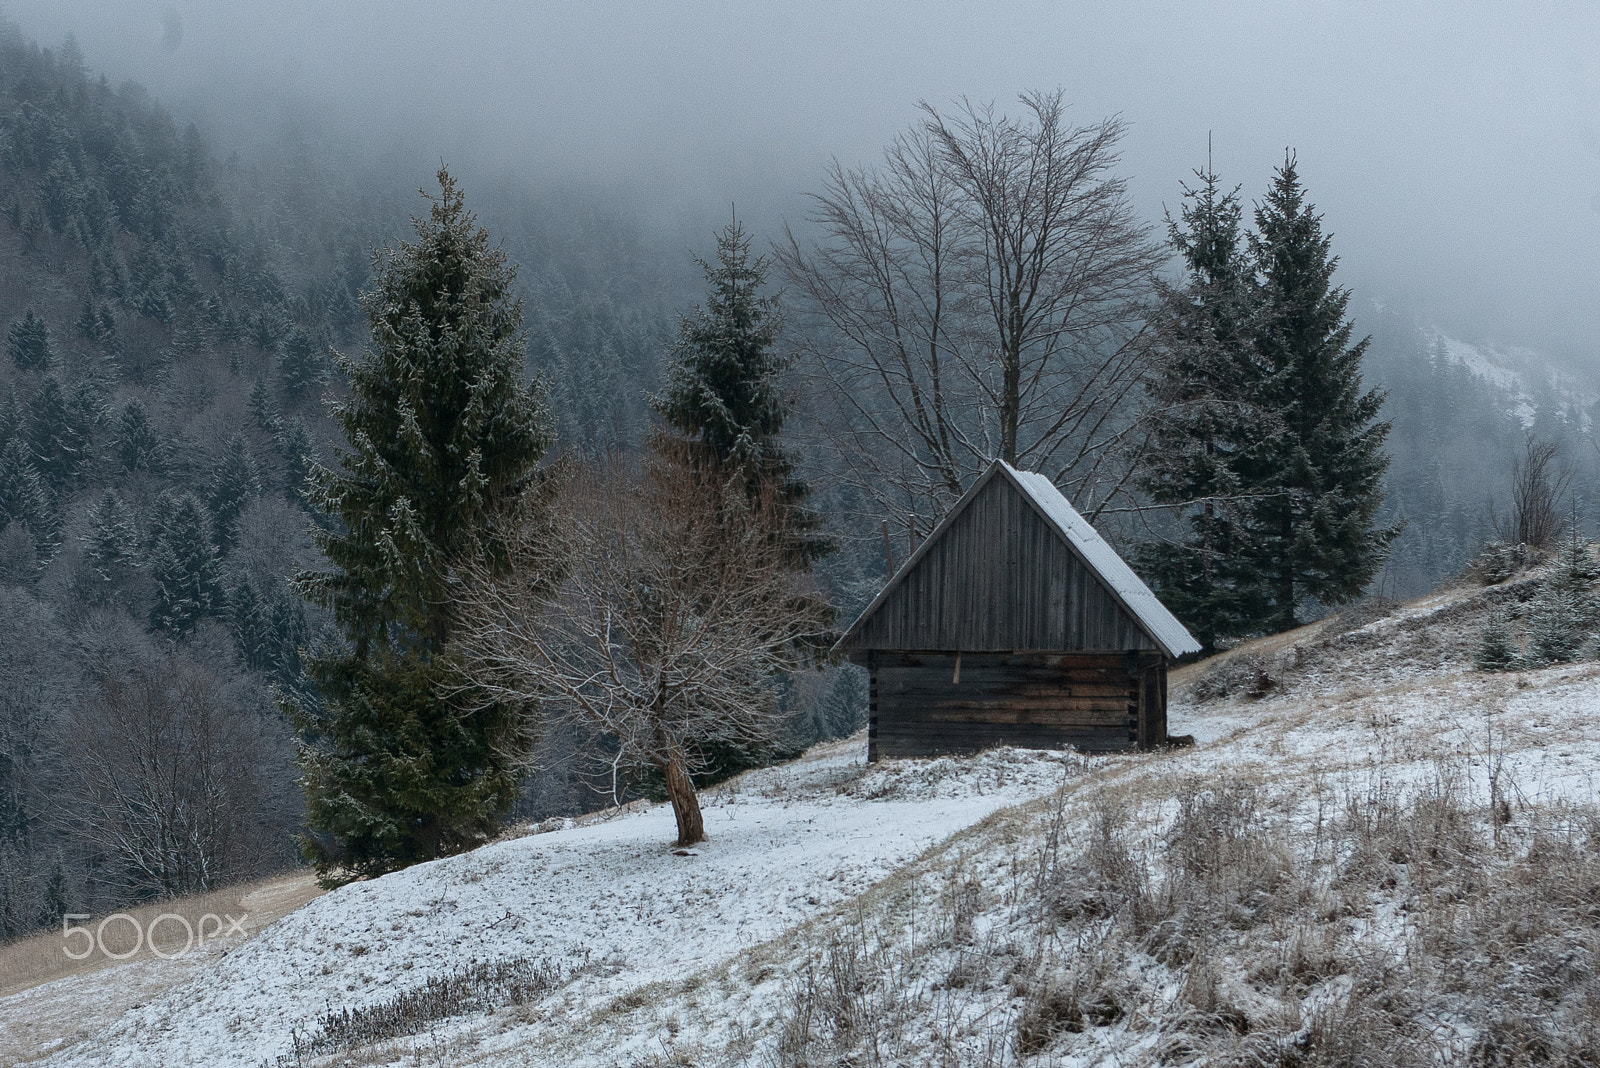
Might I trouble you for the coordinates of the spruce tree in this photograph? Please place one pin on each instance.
(1315, 469)
(298, 453)
(28, 343)
(301, 366)
(1575, 568)
(1558, 624)
(1496, 651)
(136, 446)
(1205, 419)
(24, 500)
(250, 619)
(444, 439)
(235, 482)
(58, 429)
(724, 397)
(185, 568)
(263, 413)
(1564, 613)
(113, 540)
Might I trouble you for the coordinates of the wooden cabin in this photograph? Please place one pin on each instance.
(1015, 623)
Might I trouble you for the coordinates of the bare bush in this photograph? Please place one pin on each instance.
(481, 987)
(1397, 931)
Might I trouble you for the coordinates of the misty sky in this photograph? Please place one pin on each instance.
(1456, 157)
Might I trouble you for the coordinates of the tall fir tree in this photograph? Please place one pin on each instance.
(298, 453)
(112, 542)
(59, 428)
(1205, 418)
(24, 500)
(1316, 467)
(445, 440)
(301, 367)
(724, 394)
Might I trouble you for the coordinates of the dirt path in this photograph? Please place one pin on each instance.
(50, 1003)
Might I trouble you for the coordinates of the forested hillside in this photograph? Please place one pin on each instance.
(1457, 435)
(169, 323)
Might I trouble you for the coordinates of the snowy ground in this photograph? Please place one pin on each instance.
(609, 900)
(662, 951)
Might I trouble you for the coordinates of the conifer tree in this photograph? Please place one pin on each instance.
(185, 568)
(301, 366)
(1564, 613)
(1205, 419)
(28, 343)
(298, 453)
(58, 429)
(1496, 651)
(724, 395)
(1316, 467)
(235, 482)
(136, 446)
(1576, 568)
(250, 619)
(23, 497)
(263, 413)
(113, 540)
(445, 439)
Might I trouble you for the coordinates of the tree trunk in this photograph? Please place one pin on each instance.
(685, 805)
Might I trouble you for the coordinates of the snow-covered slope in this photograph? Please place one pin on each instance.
(826, 882)
(609, 901)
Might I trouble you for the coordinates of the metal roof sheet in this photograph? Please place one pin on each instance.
(1113, 570)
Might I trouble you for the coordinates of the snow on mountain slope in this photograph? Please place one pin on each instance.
(1519, 373)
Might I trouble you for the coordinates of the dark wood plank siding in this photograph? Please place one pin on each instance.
(1035, 701)
(999, 578)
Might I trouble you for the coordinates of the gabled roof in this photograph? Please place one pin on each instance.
(1097, 556)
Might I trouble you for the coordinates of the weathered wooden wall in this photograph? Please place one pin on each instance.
(1094, 702)
(999, 578)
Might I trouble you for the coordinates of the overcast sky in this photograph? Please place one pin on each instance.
(1457, 158)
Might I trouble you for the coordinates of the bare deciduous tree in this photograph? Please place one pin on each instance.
(1538, 483)
(656, 610)
(982, 294)
(167, 781)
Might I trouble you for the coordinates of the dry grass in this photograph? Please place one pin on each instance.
(480, 988)
(1397, 926)
(42, 958)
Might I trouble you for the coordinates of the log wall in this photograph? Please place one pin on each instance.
(921, 705)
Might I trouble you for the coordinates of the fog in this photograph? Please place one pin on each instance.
(1454, 158)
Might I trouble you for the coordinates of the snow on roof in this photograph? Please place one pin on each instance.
(1129, 588)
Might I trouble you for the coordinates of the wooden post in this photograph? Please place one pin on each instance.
(888, 551)
(872, 703)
